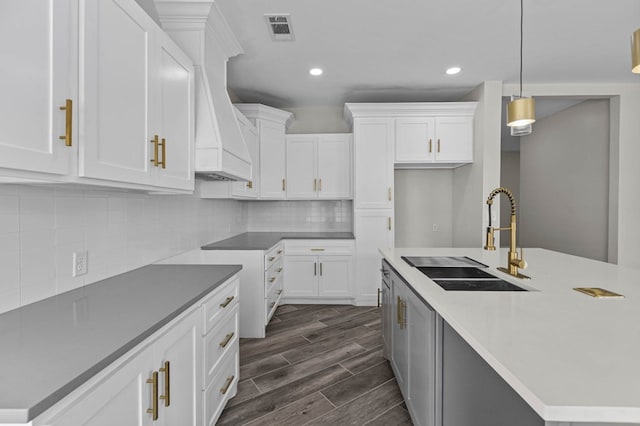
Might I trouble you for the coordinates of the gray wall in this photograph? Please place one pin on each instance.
(509, 178)
(318, 120)
(423, 198)
(564, 182)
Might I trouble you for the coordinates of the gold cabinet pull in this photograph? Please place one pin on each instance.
(438, 145)
(163, 144)
(153, 381)
(227, 301)
(320, 268)
(227, 384)
(389, 194)
(398, 310)
(389, 222)
(404, 315)
(314, 185)
(155, 143)
(279, 251)
(279, 269)
(430, 150)
(226, 340)
(68, 122)
(283, 185)
(272, 279)
(271, 258)
(250, 184)
(166, 369)
(315, 271)
(379, 291)
(319, 184)
(280, 291)
(317, 249)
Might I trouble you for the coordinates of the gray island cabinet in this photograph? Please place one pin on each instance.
(509, 358)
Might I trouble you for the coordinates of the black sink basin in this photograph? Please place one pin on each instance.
(478, 285)
(455, 272)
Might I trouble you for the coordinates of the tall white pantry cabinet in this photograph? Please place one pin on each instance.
(397, 135)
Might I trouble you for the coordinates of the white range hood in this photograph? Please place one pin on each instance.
(201, 30)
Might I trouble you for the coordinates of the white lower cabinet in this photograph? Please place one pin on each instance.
(182, 375)
(373, 229)
(318, 271)
(413, 327)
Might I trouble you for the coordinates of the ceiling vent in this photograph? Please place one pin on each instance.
(280, 26)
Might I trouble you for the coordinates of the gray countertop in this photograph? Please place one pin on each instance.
(266, 240)
(51, 347)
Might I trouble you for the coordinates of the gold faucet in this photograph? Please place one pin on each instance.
(513, 261)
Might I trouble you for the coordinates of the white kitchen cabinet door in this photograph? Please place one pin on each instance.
(302, 181)
(272, 160)
(38, 73)
(181, 348)
(334, 166)
(387, 317)
(414, 139)
(334, 276)
(373, 229)
(454, 142)
(421, 329)
(373, 165)
(121, 399)
(250, 134)
(302, 276)
(174, 119)
(116, 80)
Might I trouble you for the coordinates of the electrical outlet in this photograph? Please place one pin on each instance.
(80, 260)
(435, 227)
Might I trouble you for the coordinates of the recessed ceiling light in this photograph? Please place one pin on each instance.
(315, 71)
(453, 70)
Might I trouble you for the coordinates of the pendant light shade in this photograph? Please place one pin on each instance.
(635, 52)
(521, 112)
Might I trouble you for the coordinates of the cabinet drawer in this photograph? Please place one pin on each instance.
(273, 274)
(319, 247)
(273, 299)
(220, 341)
(223, 387)
(223, 300)
(273, 255)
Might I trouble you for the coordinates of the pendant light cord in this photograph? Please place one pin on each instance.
(521, 37)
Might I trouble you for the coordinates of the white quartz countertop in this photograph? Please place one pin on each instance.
(571, 357)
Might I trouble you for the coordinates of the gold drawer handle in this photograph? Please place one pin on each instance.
(250, 184)
(68, 122)
(438, 145)
(225, 388)
(167, 385)
(430, 150)
(279, 269)
(153, 381)
(272, 279)
(227, 301)
(155, 160)
(163, 144)
(317, 249)
(226, 340)
(271, 258)
(283, 185)
(319, 184)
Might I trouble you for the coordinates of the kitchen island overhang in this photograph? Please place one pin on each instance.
(570, 357)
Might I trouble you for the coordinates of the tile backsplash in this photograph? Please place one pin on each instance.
(319, 216)
(41, 227)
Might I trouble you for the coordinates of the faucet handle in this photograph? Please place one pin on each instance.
(520, 263)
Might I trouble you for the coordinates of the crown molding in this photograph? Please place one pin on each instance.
(263, 112)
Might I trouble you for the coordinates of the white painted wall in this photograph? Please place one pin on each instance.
(509, 178)
(303, 216)
(624, 197)
(40, 228)
(423, 198)
(318, 120)
(472, 183)
(564, 182)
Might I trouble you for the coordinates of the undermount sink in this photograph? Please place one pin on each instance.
(455, 272)
(478, 285)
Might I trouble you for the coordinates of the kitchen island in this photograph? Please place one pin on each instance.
(571, 358)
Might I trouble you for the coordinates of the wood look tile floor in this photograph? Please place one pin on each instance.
(318, 365)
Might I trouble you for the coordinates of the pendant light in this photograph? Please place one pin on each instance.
(635, 52)
(521, 111)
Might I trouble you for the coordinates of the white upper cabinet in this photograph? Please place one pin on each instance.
(319, 166)
(415, 138)
(373, 165)
(125, 82)
(248, 189)
(454, 143)
(36, 78)
(136, 99)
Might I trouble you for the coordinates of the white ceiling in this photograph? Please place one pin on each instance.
(397, 50)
